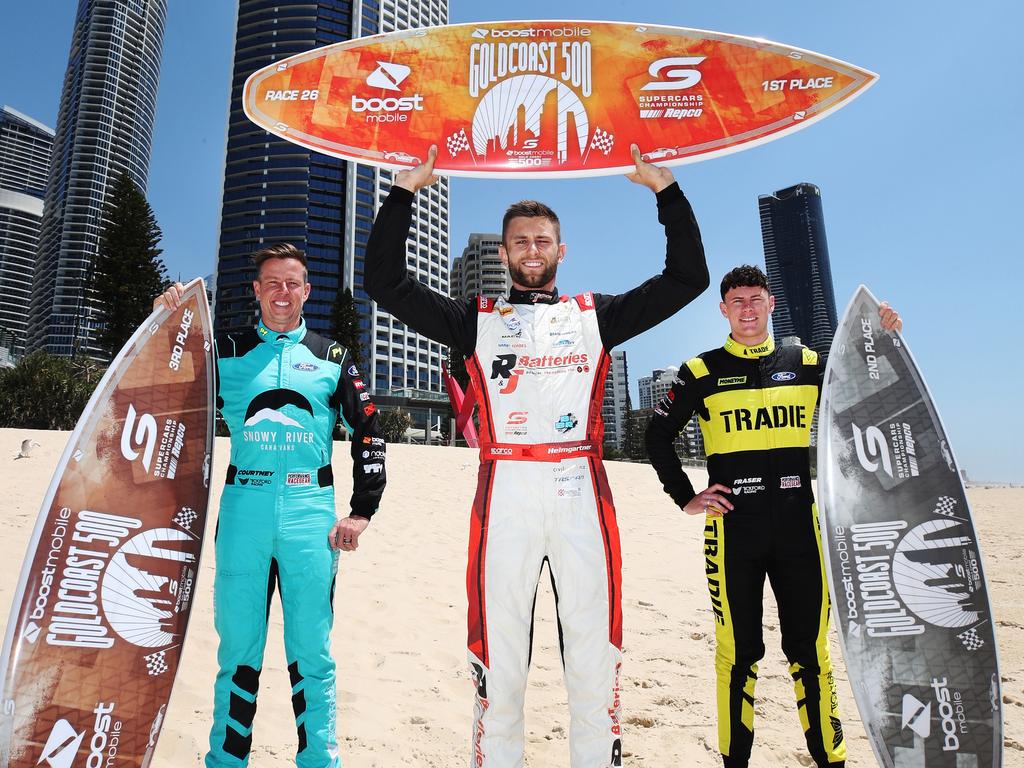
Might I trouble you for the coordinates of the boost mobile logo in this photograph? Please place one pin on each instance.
(671, 76)
(917, 716)
(870, 445)
(388, 75)
(61, 745)
(145, 437)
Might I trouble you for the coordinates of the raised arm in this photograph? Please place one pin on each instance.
(388, 281)
(684, 277)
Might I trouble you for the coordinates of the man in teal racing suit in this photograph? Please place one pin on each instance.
(280, 389)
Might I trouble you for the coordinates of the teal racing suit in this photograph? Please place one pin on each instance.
(280, 395)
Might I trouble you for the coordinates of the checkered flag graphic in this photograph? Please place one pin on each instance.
(945, 506)
(185, 518)
(156, 663)
(458, 142)
(971, 640)
(602, 141)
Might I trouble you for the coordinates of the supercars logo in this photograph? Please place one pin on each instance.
(144, 437)
(872, 449)
(674, 73)
(388, 75)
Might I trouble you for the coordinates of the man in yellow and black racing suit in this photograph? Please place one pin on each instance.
(755, 402)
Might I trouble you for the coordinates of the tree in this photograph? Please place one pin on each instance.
(393, 424)
(128, 271)
(47, 392)
(345, 325)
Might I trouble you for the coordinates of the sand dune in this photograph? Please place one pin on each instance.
(403, 689)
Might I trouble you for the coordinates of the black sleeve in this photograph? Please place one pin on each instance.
(359, 415)
(389, 283)
(623, 316)
(670, 416)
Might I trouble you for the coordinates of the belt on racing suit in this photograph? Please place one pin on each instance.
(539, 451)
(324, 475)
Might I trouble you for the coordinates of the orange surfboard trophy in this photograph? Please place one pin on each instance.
(546, 98)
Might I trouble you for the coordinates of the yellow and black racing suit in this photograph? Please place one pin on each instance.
(755, 406)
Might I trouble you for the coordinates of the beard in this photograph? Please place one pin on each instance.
(533, 279)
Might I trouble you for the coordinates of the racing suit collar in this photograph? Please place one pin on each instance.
(763, 349)
(277, 337)
(515, 296)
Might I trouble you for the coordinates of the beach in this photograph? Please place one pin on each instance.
(404, 692)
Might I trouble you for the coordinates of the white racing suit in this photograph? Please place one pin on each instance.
(542, 495)
(538, 364)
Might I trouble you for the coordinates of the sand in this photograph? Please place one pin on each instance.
(403, 689)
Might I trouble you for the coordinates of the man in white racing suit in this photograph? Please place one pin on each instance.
(538, 362)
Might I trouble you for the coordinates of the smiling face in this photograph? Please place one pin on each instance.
(747, 308)
(281, 290)
(531, 252)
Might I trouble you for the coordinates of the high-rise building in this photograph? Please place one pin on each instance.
(645, 387)
(25, 147)
(104, 129)
(479, 271)
(616, 406)
(275, 191)
(653, 389)
(799, 274)
(661, 382)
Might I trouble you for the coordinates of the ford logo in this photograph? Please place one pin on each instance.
(783, 376)
(305, 367)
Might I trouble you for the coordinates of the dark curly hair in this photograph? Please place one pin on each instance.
(744, 276)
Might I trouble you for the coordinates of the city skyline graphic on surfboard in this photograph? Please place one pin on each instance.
(102, 604)
(546, 98)
(905, 569)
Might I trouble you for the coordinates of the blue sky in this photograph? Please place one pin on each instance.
(918, 179)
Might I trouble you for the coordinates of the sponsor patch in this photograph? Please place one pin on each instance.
(306, 367)
(566, 423)
(373, 469)
(299, 478)
(569, 493)
(369, 409)
(729, 381)
(789, 481)
(364, 396)
(748, 485)
(783, 376)
(353, 371)
(254, 478)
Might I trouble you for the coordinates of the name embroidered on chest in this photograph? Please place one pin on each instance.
(776, 417)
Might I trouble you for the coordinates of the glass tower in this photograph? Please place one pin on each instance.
(275, 191)
(25, 147)
(104, 129)
(796, 258)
